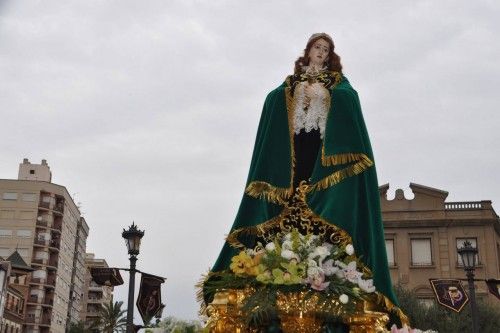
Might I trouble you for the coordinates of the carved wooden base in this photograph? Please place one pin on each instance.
(297, 314)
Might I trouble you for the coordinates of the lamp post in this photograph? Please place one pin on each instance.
(468, 254)
(133, 241)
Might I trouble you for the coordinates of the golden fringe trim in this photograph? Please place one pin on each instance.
(263, 190)
(260, 229)
(200, 294)
(339, 159)
(199, 291)
(362, 162)
(386, 303)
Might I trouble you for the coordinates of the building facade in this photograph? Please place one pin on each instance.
(422, 236)
(77, 290)
(41, 221)
(16, 296)
(94, 295)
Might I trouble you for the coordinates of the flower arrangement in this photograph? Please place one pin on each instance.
(297, 259)
(326, 279)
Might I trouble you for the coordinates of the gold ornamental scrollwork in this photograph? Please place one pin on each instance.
(297, 311)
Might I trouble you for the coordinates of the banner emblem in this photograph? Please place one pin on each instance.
(149, 300)
(450, 293)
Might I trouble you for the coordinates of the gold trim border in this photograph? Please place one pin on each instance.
(361, 162)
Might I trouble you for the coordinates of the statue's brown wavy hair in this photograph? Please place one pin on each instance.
(333, 60)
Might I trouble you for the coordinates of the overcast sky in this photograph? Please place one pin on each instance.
(147, 110)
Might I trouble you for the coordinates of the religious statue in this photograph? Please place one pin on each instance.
(309, 225)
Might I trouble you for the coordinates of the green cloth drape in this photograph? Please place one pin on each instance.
(344, 180)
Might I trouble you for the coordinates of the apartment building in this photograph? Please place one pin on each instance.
(422, 235)
(41, 221)
(94, 295)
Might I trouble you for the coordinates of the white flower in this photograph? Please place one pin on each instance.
(287, 245)
(288, 236)
(321, 251)
(312, 263)
(349, 249)
(366, 285)
(313, 272)
(270, 247)
(344, 299)
(287, 254)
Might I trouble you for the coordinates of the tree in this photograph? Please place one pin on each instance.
(112, 317)
(175, 325)
(79, 327)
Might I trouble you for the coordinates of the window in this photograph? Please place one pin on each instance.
(9, 196)
(389, 247)
(40, 274)
(5, 233)
(421, 253)
(23, 233)
(32, 172)
(29, 197)
(460, 243)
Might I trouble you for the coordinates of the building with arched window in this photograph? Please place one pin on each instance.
(422, 235)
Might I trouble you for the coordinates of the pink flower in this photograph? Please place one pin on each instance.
(348, 271)
(317, 281)
(406, 329)
(329, 268)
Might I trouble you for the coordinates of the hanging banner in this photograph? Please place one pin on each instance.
(106, 276)
(494, 287)
(149, 300)
(450, 293)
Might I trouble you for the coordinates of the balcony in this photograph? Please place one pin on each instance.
(41, 242)
(48, 301)
(59, 206)
(38, 261)
(57, 225)
(42, 223)
(93, 311)
(37, 281)
(46, 321)
(51, 281)
(32, 299)
(54, 244)
(52, 264)
(43, 204)
(95, 299)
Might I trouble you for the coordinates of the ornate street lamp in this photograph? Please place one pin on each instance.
(133, 241)
(468, 254)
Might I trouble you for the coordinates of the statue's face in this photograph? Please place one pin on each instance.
(318, 53)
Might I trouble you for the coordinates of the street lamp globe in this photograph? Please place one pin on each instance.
(133, 239)
(468, 253)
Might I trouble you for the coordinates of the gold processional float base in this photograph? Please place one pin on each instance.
(297, 314)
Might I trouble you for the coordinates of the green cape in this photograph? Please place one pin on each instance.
(344, 181)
